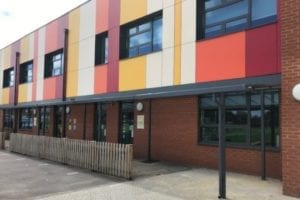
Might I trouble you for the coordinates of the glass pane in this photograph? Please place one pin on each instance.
(210, 117)
(255, 127)
(57, 64)
(144, 27)
(132, 31)
(212, 3)
(208, 101)
(263, 11)
(157, 35)
(271, 99)
(236, 117)
(209, 134)
(255, 100)
(235, 100)
(140, 39)
(213, 31)
(145, 49)
(57, 57)
(133, 52)
(236, 25)
(106, 50)
(272, 127)
(228, 12)
(236, 135)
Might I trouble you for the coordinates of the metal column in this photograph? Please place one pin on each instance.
(263, 145)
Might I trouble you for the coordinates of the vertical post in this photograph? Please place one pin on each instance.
(16, 91)
(149, 130)
(84, 122)
(64, 88)
(263, 146)
(222, 149)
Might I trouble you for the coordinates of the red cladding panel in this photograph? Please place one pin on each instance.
(262, 51)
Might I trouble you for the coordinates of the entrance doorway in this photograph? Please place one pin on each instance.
(127, 123)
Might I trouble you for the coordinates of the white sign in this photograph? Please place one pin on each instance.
(296, 92)
(140, 122)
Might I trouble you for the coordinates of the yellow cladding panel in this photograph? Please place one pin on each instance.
(5, 96)
(177, 56)
(7, 57)
(132, 74)
(22, 93)
(73, 53)
(24, 54)
(74, 24)
(132, 9)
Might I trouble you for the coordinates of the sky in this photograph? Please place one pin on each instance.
(20, 17)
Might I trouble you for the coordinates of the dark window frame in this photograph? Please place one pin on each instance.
(248, 126)
(44, 120)
(100, 132)
(125, 35)
(8, 118)
(49, 64)
(25, 119)
(127, 108)
(201, 19)
(101, 49)
(25, 76)
(8, 81)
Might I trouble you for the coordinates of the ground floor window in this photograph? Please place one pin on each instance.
(243, 118)
(58, 122)
(8, 118)
(100, 129)
(25, 118)
(44, 118)
(126, 123)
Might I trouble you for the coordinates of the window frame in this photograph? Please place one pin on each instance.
(8, 113)
(249, 107)
(44, 118)
(8, 81)
(125, 35)
(101, 48)
(100, 119)
(49, 64)
(201, 19)
(24, 72)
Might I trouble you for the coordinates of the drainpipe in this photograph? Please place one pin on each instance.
(16, 90)
(263, 145)
(84, 122)
(64, 88)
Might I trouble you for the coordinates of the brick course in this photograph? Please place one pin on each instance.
(290, 108)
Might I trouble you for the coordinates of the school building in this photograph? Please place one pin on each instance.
(151, 73)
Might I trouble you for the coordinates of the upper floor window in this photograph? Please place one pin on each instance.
(216, 17)
(101, 49)
(26, 72)
(54, 64)
(142, 36)
(8, 77)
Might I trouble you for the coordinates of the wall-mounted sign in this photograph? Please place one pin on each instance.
(140, 122)
(296, 92)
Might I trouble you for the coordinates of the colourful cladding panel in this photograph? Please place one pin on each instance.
(114, 43)
(5, 96)
(132, 9)
(22, 93)
(221, 58)
(35, 66)
(73, 52)
(100, 79)
(53, 88)
(6, 57)
(133, 74)
(262, 51)
(102, 7)
(177, 38)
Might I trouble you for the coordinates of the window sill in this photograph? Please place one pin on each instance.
(128, 58)
(53, 76)
(238, 31)
(101, 64)
(231, 146)
(25, 83)
(7, 87)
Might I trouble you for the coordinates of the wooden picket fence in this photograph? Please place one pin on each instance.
(2, 140)
(107, 158)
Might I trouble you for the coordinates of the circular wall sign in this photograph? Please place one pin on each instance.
(139, 106)
(296, 92)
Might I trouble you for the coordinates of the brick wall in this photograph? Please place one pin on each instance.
(290, 108)
(175, 136)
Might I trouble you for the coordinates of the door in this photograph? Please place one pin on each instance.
(100, 132)
(58, 121)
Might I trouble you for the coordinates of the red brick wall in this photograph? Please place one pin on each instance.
(290, 108)
(74, 122)
(113, 122)
(175, 136)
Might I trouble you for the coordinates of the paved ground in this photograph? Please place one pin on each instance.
(27, 178)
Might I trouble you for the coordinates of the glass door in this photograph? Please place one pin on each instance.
(100, 132)
(127, 123)
(58, 122)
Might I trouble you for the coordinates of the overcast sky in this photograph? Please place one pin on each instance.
(20, 17)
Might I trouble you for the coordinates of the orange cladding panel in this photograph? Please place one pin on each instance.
(52, 36)
(221, 58)
(100, 79)
(102, 16)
